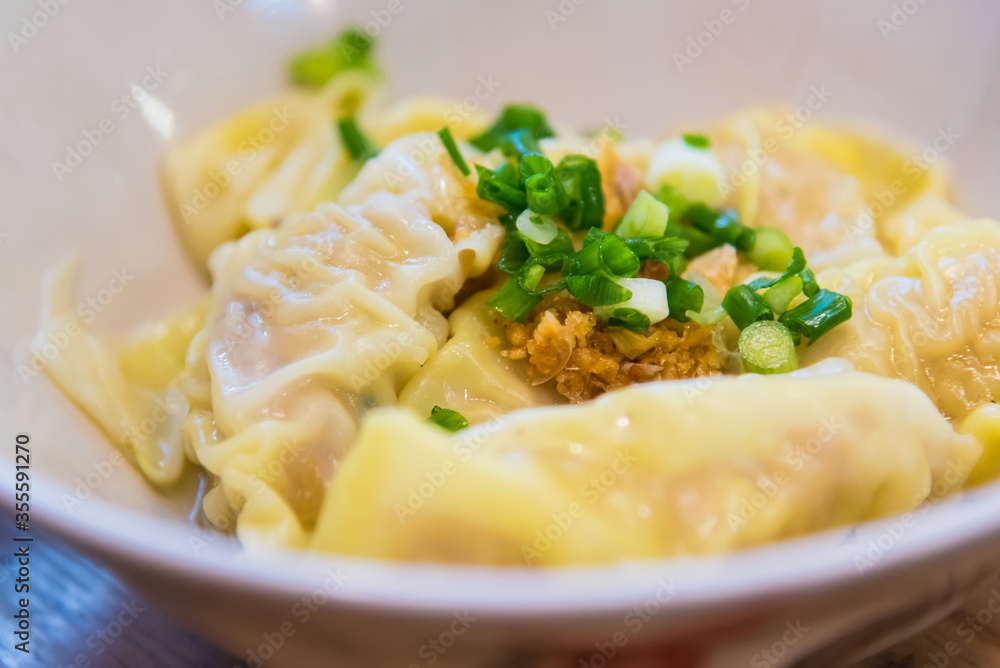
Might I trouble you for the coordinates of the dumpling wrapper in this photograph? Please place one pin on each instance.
(931, 317)
(652, 471)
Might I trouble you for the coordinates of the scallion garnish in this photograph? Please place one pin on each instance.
(646, 217)
(722, 226)
(561, 245)
(354, 140)
(780, 295)
(649, 296)
(580, 179)
(514, 254)
(629, 318)
(543, 194)
(529, 277)
(452, 148)
(500, 187)
(595, 290)
(696, 140)
(514, 117)
(517, 143)
(683, 296)
(818, 315)
(512, 301)
(767, 347)
(447, 418)
(668, 250)
(809, 285)
(537, 228)
(604, 254)
(745, 306)
(772, 249)
(314, 67)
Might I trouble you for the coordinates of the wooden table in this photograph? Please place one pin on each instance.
(80, 613)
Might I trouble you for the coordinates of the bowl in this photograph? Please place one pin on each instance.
(94, 93)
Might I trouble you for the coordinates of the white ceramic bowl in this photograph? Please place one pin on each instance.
(922, 67)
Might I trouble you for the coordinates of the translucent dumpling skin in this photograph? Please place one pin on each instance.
(931, 317)
(652, 471)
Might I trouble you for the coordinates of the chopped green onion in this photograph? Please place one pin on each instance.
(795, 267)
(669, 250)
(452, 148)
(683, 296)
(314, 67)
(543, 194)
(604, 254)
(809, 285)
(694, 171)
(580, 179)
(675, 201)
(696, 140)
(517, 143)
(767, 347)
(711, 312)
(512, 301)
(561, 245)
(540, 229)
(646, 217)
(500, 187)
(648, 296)
(597, 290)
(780, 295)
(772, 249)
(514, 254)
(534, 269)
(514, 117)
(354, 140)
(818, 315)
(629, 318)
(530, 164)
(722, 226)
(447, 418)
(745, 306)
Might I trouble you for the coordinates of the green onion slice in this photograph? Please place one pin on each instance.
(767, 347)
(580, 180)
(818, 315)
(809, 285)
(648, 296)
(629, 318)
(456, 156)
(512, 301)
(354, 140)
(646, 217)
(501, 187)
(696, 140)
(514, 254)
(518, 142)
(669, 250)
(447, 418)
(514, 117)
(780, 295)
(683, 296)
(597, 290)
(540, 229)
(772, 249)
(745, 306)
(349, 50)
(534, 269)
(561, 245)
(604, 254)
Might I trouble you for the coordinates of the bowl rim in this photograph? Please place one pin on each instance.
(116, 535)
